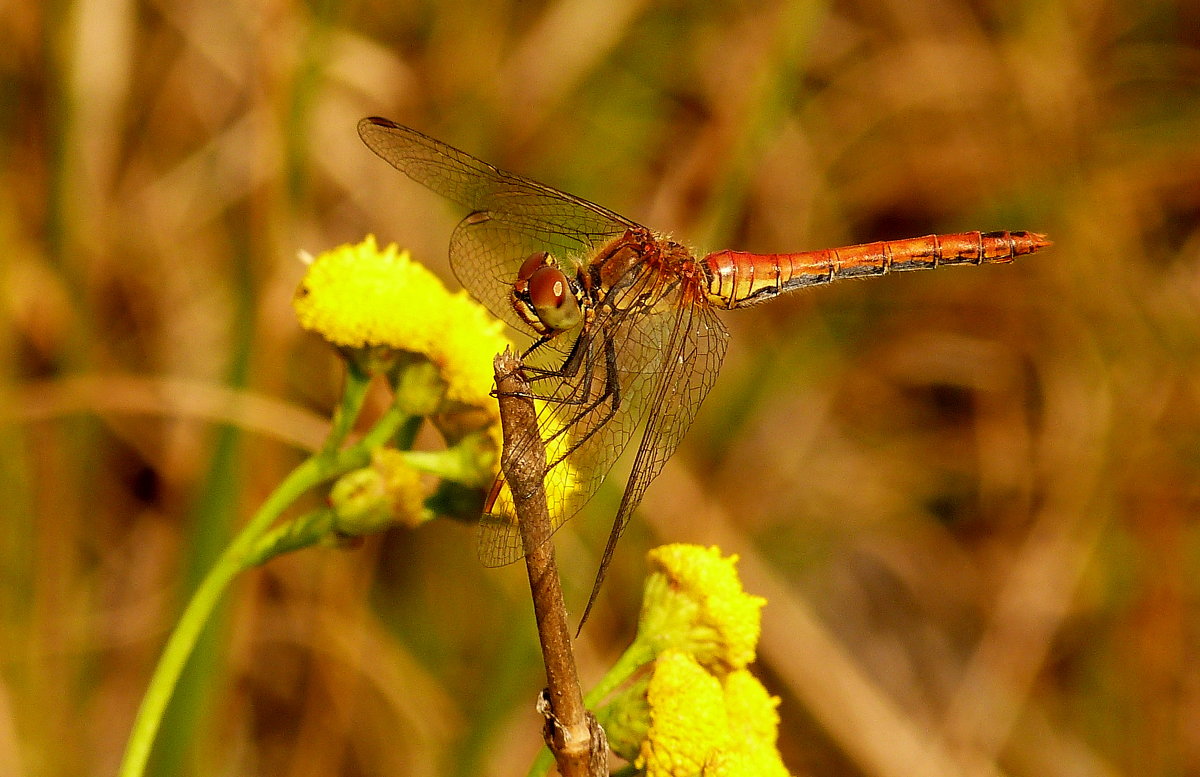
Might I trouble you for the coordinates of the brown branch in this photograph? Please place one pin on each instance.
(571, 732)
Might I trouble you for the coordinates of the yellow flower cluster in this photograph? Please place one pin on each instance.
(694, 601)
(359, 297)
(687, 717)
(700, 711)
(389, 315)
(704, 724)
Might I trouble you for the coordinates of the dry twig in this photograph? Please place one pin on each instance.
(571, 732)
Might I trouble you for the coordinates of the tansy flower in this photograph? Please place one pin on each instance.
(753, 729)
(357, 296)
(748, 759)
(693, 601)
(375, 303)
(752, 710)
(688, 720)
(699, 725)
(369, 499)
(465, 349)
(692, 707)
(387, 313)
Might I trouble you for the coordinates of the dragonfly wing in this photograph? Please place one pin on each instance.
(525, 204)
(574, 471)
(584, 434)
(589, 418)
(691, 349)
(487, 247)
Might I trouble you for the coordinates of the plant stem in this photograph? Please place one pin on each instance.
(571, 732)
(638, 655)
(313, 471)
(354, 391)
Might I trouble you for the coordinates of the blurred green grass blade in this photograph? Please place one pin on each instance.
(213, 523)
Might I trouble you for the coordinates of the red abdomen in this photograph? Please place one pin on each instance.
(736, 279)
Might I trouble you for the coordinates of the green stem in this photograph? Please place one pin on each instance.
(291, 535)
(354, 393)
(634, 658)
(311, 472)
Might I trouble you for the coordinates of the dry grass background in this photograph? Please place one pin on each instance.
(970, 495)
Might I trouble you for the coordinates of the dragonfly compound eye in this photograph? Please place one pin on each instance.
(553, 299)
(536, 261)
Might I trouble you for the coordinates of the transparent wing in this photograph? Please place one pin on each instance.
(525, 216)
(486, 252)
(693, 352)
(662, 357)
(586, 419)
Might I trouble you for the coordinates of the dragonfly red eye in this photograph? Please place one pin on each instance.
(531, 265)
(547, 287)
(553, 298)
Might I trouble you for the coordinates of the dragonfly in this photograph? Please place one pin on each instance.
(626, 337)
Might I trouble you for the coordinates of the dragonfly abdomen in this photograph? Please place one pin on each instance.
(737, 279)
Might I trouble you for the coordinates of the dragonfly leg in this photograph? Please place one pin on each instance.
(541, 373)
(570, 369)
(609, 397)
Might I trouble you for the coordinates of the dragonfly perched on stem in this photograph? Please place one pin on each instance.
(627, 339)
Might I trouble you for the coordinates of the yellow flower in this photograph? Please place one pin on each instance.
(746, 760)
(369, 499)
(387, 313)
(754, 730)
(688, 721)
(752, 710)
(700, 711)
(683, 720)
(364, 299)
(358, 296)
(701, 725)
(467, 343)
(694, 601)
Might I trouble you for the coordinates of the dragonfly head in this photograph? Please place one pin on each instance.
(544, 296)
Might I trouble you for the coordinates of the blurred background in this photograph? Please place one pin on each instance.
(969, 495)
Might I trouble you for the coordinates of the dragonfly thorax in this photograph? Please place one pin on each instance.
(544, 297)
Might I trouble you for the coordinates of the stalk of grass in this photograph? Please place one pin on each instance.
(317, 469)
